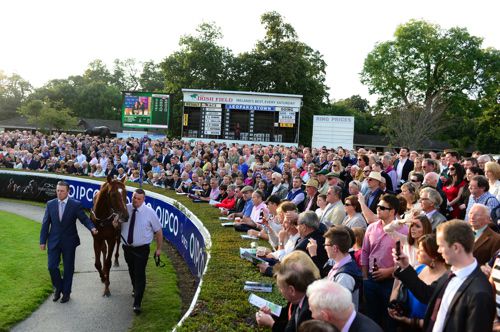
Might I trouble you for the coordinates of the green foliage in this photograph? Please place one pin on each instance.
(13, 91)
(442, 74)
(21, 293)
(152, 78)
(48, 116)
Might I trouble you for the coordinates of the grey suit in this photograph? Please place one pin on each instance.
(436, 219)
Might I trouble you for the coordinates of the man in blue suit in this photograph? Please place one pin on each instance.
(60, 234)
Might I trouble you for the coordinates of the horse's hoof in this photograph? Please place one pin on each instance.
(106, 294)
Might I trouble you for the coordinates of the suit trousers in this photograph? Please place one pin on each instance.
(68, 255)
(137, 259)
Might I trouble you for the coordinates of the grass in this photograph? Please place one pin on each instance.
(21, 259)
(161, 303)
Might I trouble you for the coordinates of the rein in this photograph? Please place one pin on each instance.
(105, 221)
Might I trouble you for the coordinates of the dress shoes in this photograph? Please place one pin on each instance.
(57, 295)
(65, 298)
(137, 310)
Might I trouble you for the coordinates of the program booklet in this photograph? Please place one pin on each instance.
(252, 258)
(259, 302)
(254, 286)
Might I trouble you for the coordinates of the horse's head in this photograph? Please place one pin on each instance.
(110, 204)
(118, 197)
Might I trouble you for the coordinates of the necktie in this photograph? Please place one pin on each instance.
(130, 238)
(61, 210)
(437, 304)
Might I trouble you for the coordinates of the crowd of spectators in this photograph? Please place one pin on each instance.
(374, 225)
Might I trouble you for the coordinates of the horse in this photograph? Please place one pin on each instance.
(107, 214)
(101, 131)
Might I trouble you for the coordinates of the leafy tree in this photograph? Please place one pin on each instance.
(201, 63)
(48, 116)
(152, 78)
(430, 71)
(364, 121)
(13, 91)
(281, 63)
(126, 75)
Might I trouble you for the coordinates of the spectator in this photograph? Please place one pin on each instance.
(403, 166)
(334, 213)
(331, 302)
(492, 172)
(322, 204)
(376, 262)
(353, 217)
(278, 188)
(474, 309)
(479, 193)
(311, 195)
(293, 275)
(311, 233)
(453, 188)
(430, 200)
(373, 197)
(486, 241)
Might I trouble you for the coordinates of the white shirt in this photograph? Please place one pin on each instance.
(399, 170)
(146, 224)
(449, 293)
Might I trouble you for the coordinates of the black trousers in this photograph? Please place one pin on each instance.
(137, 259)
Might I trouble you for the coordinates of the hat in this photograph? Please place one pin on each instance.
(322, 172)
(376, 176)
(312, 183)
(333, 175)
(246, 188)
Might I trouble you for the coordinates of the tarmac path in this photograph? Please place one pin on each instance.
(87, 309)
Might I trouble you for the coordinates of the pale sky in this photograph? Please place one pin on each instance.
(48, 39)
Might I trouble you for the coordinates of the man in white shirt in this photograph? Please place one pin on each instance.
(137, 234)
(460, 301)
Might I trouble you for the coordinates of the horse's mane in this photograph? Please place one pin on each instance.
(101, 196)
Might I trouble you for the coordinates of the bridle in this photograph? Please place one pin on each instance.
(111, 219)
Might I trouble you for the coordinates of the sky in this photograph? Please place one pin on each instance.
(49, 39)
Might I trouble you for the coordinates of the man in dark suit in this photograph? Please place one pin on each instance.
(460, 301)
(403, 166)
(311, 230)
(312, 187)
(293, 275)
(486, 241)
(59, 234)
(322, 293)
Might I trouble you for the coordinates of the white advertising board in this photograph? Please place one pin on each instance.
(333, 131)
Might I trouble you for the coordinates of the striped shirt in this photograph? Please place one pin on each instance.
(146, 224)
(495, 275)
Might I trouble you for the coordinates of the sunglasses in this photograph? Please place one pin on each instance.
(366, 171)
(414, 180)
(383, 208)
(452, 168)
(348, 204)
(328, 244)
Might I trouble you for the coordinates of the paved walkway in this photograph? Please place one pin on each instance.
(87, 310)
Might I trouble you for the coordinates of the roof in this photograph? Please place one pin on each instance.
(243, 93)
(20, 122)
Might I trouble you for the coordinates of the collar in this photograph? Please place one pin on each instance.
(342, 262)
(64, 200)
(479, 232)
(480, 197)
(465, 271)
(430, 214)
(349, 321)
(139, 208)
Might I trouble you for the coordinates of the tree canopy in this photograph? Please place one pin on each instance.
(428, 79)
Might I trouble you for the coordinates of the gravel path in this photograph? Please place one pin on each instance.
(87, 310)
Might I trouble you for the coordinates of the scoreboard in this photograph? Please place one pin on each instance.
(145, 110)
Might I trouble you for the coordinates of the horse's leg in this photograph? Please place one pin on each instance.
(98, 243)
(107, 265)
(117, 252)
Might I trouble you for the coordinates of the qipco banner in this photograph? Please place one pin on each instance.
(180, 226)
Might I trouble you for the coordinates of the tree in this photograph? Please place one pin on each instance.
(428, 70)
(126, 75)
(13, 92)
(47, 115)
(201, 63)
(152, 78)
(281, 63)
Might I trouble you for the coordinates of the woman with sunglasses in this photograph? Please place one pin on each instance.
(353, 217)
(453, 188)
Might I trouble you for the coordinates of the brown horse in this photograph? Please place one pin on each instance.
(109, 211)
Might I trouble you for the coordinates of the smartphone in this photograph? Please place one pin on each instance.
(398, 248)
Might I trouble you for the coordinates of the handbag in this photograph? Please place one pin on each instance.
(401, 303)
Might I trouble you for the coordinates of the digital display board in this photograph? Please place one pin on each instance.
(145, 110)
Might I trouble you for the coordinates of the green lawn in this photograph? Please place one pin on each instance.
(161, 303)
(20, 292)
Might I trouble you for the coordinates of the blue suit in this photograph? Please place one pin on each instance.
(61, 237)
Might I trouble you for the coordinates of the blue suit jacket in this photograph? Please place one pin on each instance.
(63, 232)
